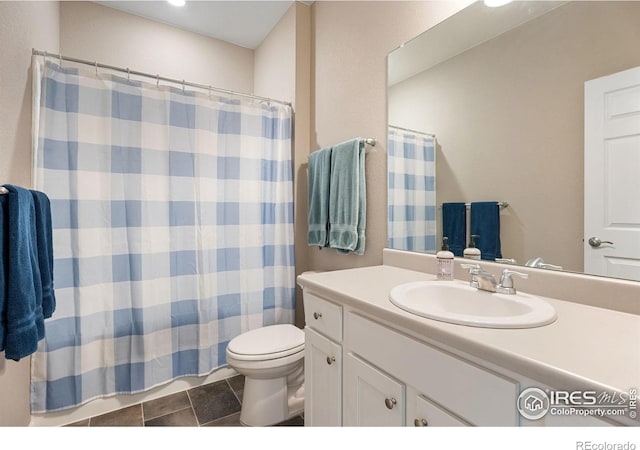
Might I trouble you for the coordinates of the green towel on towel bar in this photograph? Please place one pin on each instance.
(318, 214)
(348, 197)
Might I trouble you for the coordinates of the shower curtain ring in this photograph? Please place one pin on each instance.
(60, 59)
(183, 86)
(128, 75)
(158, 80)
(96, 68)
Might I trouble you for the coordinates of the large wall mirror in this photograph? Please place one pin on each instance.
(504, 92)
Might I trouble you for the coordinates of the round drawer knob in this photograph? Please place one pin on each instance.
(420, 423)
(331, 359)
(390, 402)
(317, 315)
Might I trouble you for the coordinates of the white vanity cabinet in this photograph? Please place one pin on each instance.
(420, 384)
(359, 372)
(323, 362)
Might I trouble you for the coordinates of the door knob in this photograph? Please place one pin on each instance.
(331, 359)
(390, 402)
(420, 423)
(595, 242)
(317, 315)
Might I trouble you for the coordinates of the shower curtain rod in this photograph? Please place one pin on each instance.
(156, 77)
(412, 131)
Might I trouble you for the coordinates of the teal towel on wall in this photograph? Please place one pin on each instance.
(348, 197)
(318, 213)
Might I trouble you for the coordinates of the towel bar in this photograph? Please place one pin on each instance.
(500, 204)
(370, 141)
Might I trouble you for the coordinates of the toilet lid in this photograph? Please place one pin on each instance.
(274, 339)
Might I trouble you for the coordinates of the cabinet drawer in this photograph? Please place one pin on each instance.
(323, 316)
(429, 414)
(475, 394)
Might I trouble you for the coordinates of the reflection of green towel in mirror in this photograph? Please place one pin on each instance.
(319, 177)
(348, 197)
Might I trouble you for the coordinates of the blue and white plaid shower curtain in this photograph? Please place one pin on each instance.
(173, 230)
(411, 192)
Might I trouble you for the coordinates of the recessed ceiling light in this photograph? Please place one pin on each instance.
(177, 2)
(496, 3)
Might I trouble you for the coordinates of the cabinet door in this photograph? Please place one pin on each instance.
(371, 397)
(422, 412)
(323, 381)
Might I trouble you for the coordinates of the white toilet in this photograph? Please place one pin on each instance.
(272, 360)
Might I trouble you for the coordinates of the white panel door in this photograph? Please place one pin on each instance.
(612, 175)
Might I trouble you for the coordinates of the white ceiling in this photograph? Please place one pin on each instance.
(245, 23)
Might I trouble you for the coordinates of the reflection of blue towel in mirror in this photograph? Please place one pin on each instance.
(485, 222)
(454, 226)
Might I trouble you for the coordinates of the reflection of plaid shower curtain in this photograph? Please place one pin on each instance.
(173, 230)
(411, 191)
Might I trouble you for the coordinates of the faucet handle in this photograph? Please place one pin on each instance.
(506, 282)
(474, 269)
(550, 266)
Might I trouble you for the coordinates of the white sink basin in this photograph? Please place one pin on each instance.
(458, 303)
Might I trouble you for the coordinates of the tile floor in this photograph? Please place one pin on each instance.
(210, 405)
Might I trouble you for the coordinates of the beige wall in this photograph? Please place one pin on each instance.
(302, 144)
(274, 60)
(98, 33)
(23, 25)
(282, 71)
(509, 119)
(351, 41)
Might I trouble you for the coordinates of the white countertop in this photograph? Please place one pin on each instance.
(585, 348)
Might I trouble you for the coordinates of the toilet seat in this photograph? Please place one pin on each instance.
(266, 343)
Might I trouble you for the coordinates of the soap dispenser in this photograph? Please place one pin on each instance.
(472, 252)
(444, 262)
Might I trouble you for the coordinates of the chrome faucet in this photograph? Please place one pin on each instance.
(480, 278)
(485, 281)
